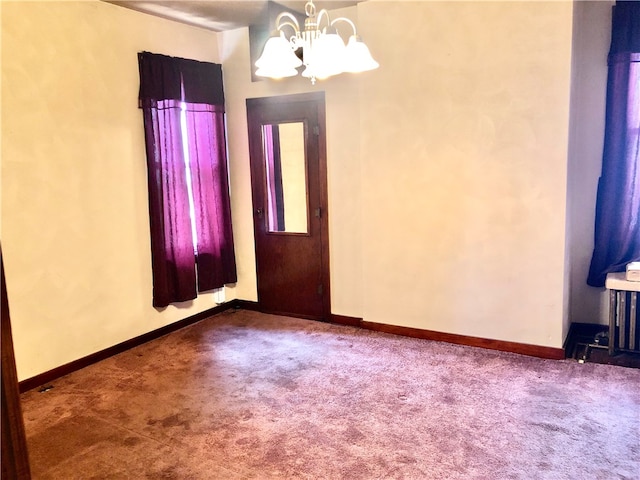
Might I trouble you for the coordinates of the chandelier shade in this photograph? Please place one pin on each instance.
(278, 59)
(324, 53)
(358, 57)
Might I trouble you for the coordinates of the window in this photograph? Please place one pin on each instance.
(189, 207)
(187, 171)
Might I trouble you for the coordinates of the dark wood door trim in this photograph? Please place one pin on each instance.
(318, 99)
(15, 459)
(324, 199)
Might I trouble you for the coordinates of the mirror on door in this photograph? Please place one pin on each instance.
(286, 177)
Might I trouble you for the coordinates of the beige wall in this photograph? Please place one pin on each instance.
(447, 171)
(592, 35)
(464, 153)
(75, 231)
(456, 182)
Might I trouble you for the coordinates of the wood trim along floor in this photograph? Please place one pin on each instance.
(246, 305)
(504, 346)
(521, 348)
(50, 375)
(344, 320)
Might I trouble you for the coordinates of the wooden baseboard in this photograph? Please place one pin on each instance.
(62, 370)
(246, 305)
(503, 346)
(521, 348)
(344, 320)
(513, 347)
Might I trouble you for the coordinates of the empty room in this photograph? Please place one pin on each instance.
(320, 239)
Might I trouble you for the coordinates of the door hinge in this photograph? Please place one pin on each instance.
(319, 212)
(320, 289)
(316, 130)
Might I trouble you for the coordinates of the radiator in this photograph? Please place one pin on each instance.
(624, 326)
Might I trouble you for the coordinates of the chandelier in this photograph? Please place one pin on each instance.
(323, 51)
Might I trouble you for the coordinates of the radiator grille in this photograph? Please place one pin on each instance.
(624, 326)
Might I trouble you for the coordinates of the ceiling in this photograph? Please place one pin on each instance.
(221, 15)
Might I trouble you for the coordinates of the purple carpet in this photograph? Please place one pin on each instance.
(245, 395)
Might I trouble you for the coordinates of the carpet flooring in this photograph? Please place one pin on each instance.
(244, 395)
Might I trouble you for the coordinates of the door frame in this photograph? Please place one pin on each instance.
(15, 456)
(255, 131)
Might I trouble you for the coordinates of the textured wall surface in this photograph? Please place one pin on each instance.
(75, 228)
(447, 167)
(447, 170)
(464, 158)
(592, 35)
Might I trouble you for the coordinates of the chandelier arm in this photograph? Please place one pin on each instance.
(291, 21)
(323, 13)
(346, 20)
(296, 34)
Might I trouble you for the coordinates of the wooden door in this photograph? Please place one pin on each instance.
(288, 180)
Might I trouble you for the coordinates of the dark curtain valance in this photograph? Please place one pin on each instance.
(625, 32)
(171, 78)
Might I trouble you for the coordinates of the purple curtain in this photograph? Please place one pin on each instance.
(275, 190)
(209, 180)
(617, 226)
(165, 84)
(172, 254)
